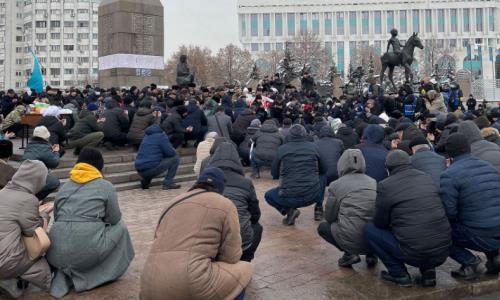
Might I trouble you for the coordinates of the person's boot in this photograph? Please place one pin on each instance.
(171, 186)
(145, 183)
(9, 288)
(291, 216)
(403, 281)
(347, 260)
(318, 212)
(76, 152)
(493, 265)
(469, 272)
(371, 261)
(255, 174)
(428, 278)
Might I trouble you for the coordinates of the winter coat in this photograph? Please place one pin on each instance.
(239, 106)
(298, 165)
(86, 124)
(143, 119)
(6, 173)
(429, 162)
(480, 148)
(221, 124)
(348, 137)
(90, 243)
(13, 117)
(173, 124)
(351, 202)
(244, 147)
(470, 191)
(40, 149)
(238, 189)
(197, 251)
(56, 129)
(242, 123)
(7, 105)
(374, 152)
(195, 118)
(330, 149)
(154, 148)
(116, 121)
(267, 142)
(491, 135)
(435, 103)
(202, 152)
(408, 204)
(19, 216)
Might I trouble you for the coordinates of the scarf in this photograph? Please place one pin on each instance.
(83, 173)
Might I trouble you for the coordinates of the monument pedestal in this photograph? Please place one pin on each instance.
(130, 43)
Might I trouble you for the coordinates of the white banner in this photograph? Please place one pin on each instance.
(131, 61)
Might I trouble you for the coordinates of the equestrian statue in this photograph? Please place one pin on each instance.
(402, 58)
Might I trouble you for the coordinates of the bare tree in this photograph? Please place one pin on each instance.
(273, 58)
(200, 62)
(429, 57)
(311, 54)
(232, 64)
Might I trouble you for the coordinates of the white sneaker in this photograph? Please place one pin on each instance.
(9, 288)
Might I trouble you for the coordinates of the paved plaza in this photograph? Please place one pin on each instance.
(291, 263)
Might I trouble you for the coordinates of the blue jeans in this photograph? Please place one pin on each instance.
(325, 231)
(257, 163)
(463, 239)
(51, 185)
(169, 164)
(283, 204)
(384, 244)
(323, 181)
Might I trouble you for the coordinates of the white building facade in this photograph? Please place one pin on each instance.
(467, 29)
(62, 33)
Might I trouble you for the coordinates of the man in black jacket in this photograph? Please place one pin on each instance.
(298, 165)
(173, 126)
(115, 124)
(410, 224)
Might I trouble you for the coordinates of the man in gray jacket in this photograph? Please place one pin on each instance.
(266, 144)
(220, 123)
(480, 147)
(350, 205)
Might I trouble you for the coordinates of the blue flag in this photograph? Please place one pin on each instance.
(36, 80)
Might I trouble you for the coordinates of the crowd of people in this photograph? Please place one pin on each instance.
(410, 179)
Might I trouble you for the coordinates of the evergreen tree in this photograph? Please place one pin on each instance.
(288, 66)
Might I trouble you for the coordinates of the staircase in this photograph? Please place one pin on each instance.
(119, 168)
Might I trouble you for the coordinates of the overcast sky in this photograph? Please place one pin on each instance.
(210, 23)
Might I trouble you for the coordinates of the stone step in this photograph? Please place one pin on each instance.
(156, 182)
(67, 162)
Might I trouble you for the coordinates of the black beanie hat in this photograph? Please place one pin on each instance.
(91, 156)
(181, 110)
(457, 145)
(6, 149)
(419, 140)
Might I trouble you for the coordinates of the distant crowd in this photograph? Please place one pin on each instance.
(408, 179)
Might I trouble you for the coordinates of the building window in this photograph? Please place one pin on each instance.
(340, 23)
(68, 35)
(69, 24)
(291, 24)
(243, 25)
(41, 24)
(267, 47)
(54, 71)
(403, 21)
(491, 19)
(266, 24)
(378, 22)
(378, 47)
(328, 24)
(69, 47)
(69, 59)
(340, 56)
(390, 20)
(466, 19)
(83, 24)
(352, 23)
(428, 20)
(41, 36)
(453, 43)
(55, 36)
(440, 20)
(315, 23)
(55, 24)
(55, 48)
(365, 22)
(55, 60)
(453, 20)
(328, 50)
(416, 20)
(68, 71)
(254, 47)
(303, 23)
(254, 25)
(479, 19)
(279, 46)
(278, 24)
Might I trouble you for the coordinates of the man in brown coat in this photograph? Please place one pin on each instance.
(6, 170)
(197, 250)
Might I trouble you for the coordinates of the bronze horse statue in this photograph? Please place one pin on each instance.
(404, 59)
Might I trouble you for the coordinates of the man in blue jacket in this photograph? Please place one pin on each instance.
(470, 191)
(298, 166)
(374, 152)
(156, 156)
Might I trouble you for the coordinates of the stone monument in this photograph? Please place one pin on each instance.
(130, 43)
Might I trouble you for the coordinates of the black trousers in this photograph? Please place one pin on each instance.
(176, 139)
(249, 254)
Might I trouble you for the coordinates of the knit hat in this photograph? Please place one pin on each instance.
(450, 119)
(211, 135)
(91, 156)
(457, 145)
(213, 176)
(297, 131)
(482, 122)
(92, 106)
(41, 132)
(397, 158)
(255, 123)
(419, 140)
